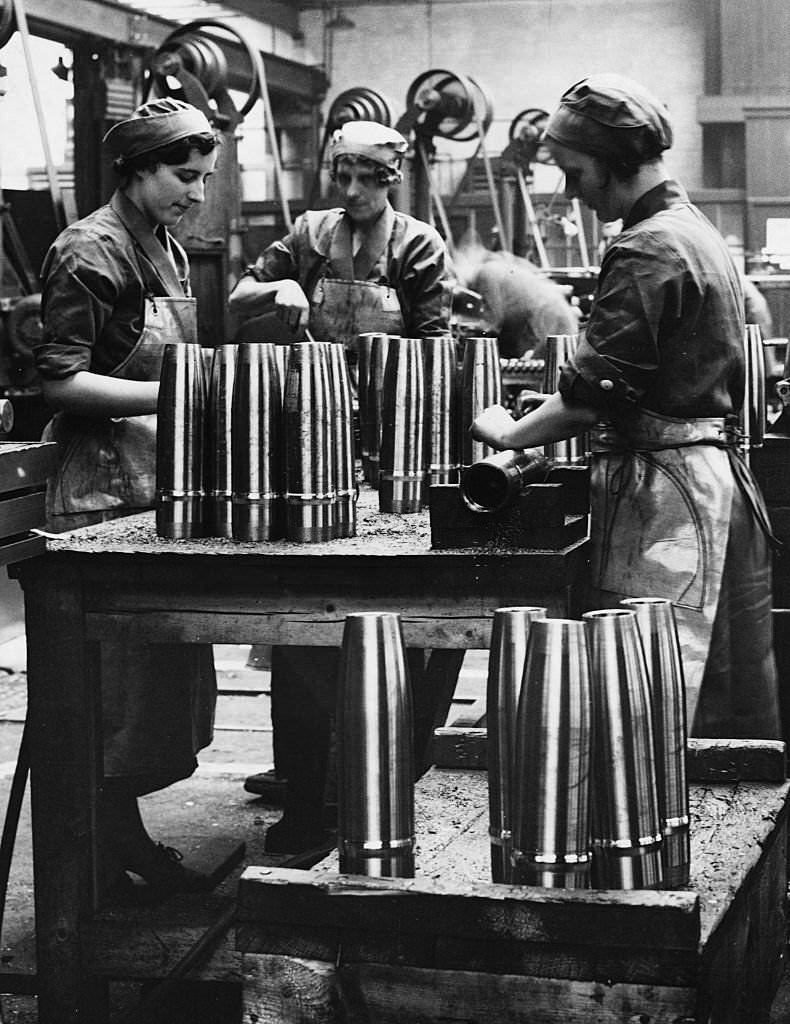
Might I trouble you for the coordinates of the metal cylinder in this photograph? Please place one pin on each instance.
(402, 467)
(180, 440)
(481, 386)
(441, 411)
(345, 516)
(256, 445)
(219, 444)
(364, 355)
(309, 446)
(626, 823)
(754, 413)
(655, 617)
(375, 395)
(559, 349)
(509, 635)
(551, 792)
(281, 356)
(375, 756)
(497, 481)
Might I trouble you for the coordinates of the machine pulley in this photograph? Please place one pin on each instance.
(448, 105)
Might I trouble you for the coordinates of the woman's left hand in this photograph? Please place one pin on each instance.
(492, 427)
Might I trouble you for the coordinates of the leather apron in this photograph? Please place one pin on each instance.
(158, 700)
(661, 500)
(343, 307)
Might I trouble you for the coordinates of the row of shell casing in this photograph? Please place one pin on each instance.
(416, 404)
(255, 443)
(587, 738)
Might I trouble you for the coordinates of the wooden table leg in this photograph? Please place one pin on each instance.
(433, 686)
(63, 715)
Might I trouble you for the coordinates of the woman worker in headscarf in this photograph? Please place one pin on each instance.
(658, 379)
(115, 291)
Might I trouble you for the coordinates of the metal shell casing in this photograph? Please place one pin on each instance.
(345, 518)
(626, 824)
(256, 444)
(310, 492)
(481, 386)
(441, 411)
(509, 636)
(219, 444)
(375, 754)
(402, 467)
(551, 792)
(559, 349)
(180, 439)
(373, 405)
(655, 617)
(497, 481)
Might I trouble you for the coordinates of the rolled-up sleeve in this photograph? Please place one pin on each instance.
(80, 293)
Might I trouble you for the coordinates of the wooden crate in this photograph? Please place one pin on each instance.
(448, 945)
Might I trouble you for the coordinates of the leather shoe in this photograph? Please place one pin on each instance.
(268, 785)
(164, 874)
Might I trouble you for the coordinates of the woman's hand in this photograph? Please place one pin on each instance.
(493, 426)
(528, 401)
(291, 306)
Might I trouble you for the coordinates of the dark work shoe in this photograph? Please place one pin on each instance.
(287, 837)
(269, 786)
(165, 875)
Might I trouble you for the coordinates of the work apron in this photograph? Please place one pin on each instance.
(345, 304)
(662, 499)
(157, 699)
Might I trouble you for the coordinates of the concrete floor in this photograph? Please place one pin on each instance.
(212, 803)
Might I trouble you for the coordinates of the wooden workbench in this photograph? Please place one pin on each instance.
(449, 945)
(119, 580)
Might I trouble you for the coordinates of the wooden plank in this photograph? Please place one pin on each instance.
(310, 992)
(710, 760)
(707, 760)
(482, 911)
(26, 464)
(20, 513)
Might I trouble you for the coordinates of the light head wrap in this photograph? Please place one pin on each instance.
(156, 124)
(612, 117)
(371, 140)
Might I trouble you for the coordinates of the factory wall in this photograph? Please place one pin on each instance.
(524, 53)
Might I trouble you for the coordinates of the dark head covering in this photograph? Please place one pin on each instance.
(156, 124)
(613, 117)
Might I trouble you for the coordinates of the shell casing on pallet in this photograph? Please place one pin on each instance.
(219, 467)
(627, 835)
(373, 404)
(310, 487)
(364, 356)
(256, 444)
(509, 635)
(441, 411)
(402, 465)
(481, 386)
(496, 482)
(655, 617)
(345, 517)
(180, 439)
(553, 764)
(375, 756)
